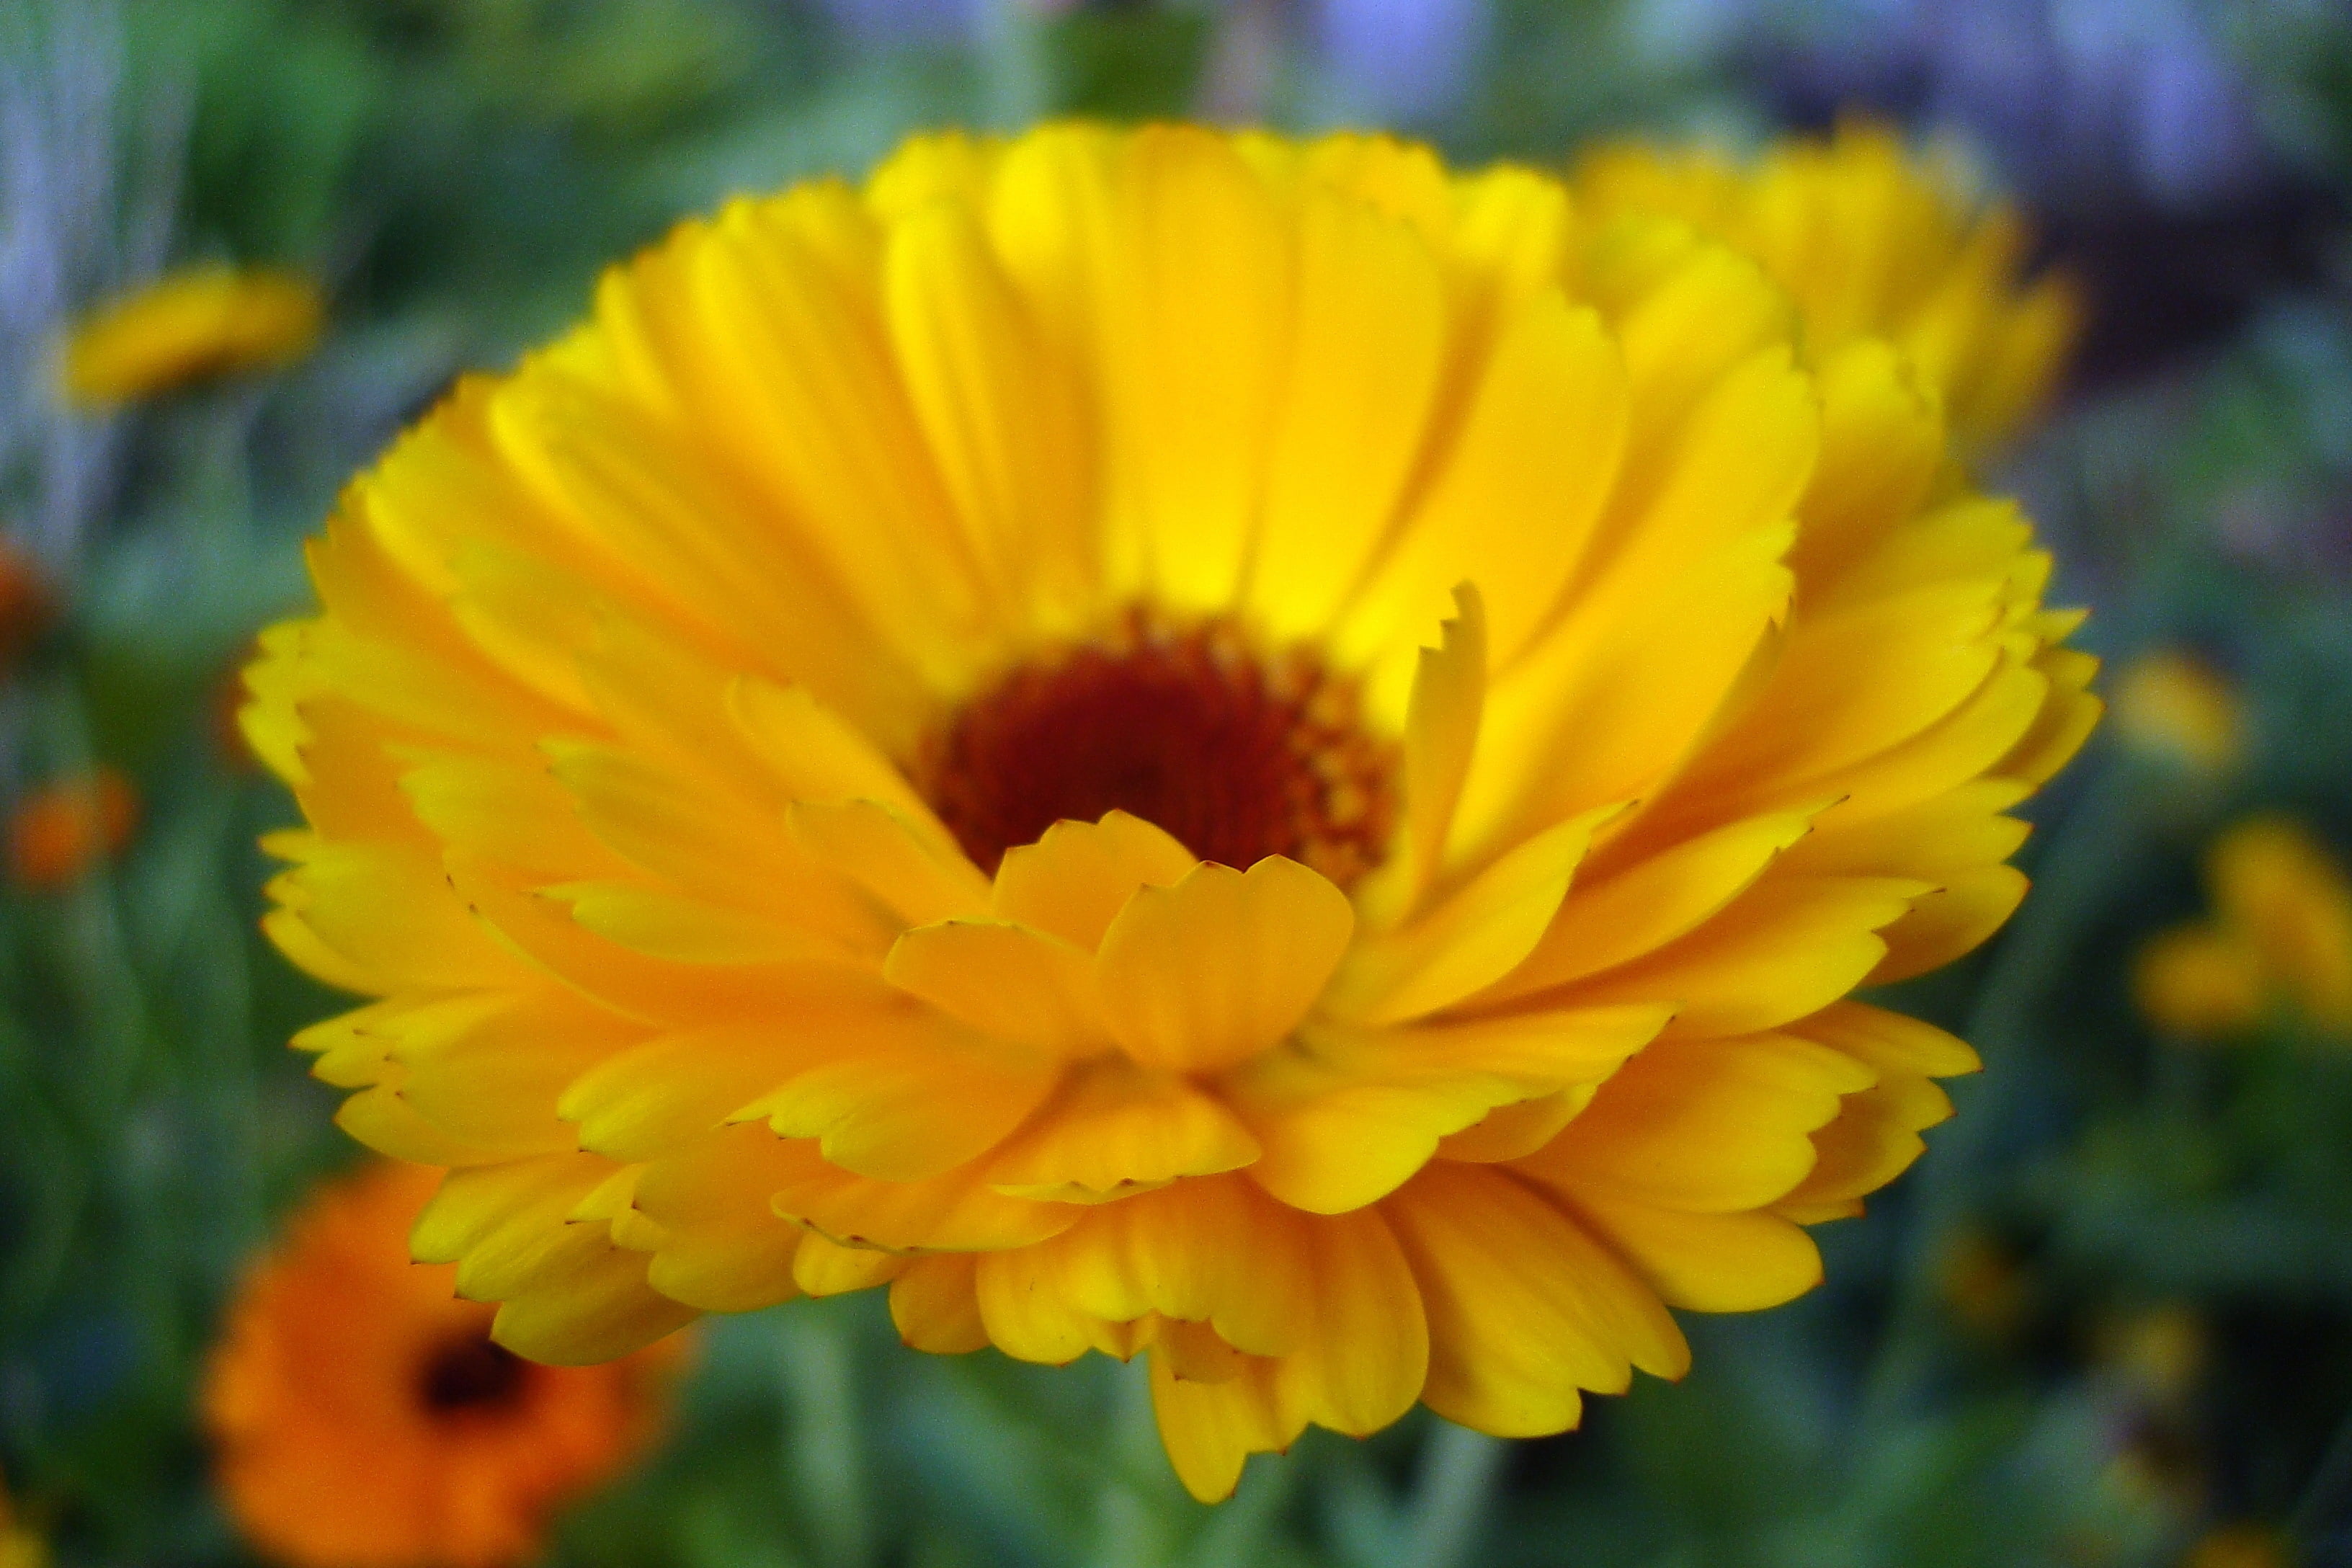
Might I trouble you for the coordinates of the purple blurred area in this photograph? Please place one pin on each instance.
(892, 21)
(1402, 61)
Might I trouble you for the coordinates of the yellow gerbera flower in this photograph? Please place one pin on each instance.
(1872, 242)
(193, 325)
(1195, 745)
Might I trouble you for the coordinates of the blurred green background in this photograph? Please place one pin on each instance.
(2106, 1321)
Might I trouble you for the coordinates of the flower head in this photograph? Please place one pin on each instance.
(20, 1545)
(1870, 241)
(364, 1419)
(2171, 705)
(1248, 753)
(62, 830)
(2242, 1546)
(2281, 934)
(193, 325)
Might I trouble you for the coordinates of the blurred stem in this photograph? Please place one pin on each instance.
(1459, 1471)
(824, 1458)
(2074, 881)
(1132, 1528)
(2327, 1501)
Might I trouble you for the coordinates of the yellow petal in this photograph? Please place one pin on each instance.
(1370, 328)
(1789, 946)
(1350, 1115)
(885, 853)
(1072, 881)
(1707, 1262)
(1441, 733)
(1652, 901)
(1708, 1126)
(915, 1103)
(933, 1304)
(1473, 939)
(1541, 440)
(1000, 414)
(724, 1249)
(1954, 919)
(1006, 981)
(1524, 1309)
(1210, 1428)
(1115, 1128)
(1219, 966)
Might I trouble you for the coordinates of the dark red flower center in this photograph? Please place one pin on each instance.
(1238, 755)
(471, 1374)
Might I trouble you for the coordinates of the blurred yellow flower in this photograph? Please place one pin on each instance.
(2162, 1349)
(20, 1545)
(2169, 705)
(2241, 1546)
(58, 832)
(362, 1417)
(2281, 933)
(1871, 241)
(1243, 752)
(192, 325)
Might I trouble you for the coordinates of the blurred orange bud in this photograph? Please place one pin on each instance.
(65, 827)
(26, 605)
(2170, 706)
(193, 325)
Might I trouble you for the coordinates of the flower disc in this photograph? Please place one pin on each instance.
(1251, 752)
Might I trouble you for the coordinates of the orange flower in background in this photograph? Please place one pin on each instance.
(2281, 934)
(61, 830)
(363, 1419)
(195, 325)
(1872, 241)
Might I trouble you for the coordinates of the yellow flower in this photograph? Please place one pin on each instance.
(193, 325)
(2281, 933)
(2171, 705)
(1244, 752)
(20, 1546)
(1871, 241)
(2241, 1546)
(362, 1417)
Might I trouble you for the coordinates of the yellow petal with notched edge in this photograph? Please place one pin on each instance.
(1221, 965)
(1075, 879)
